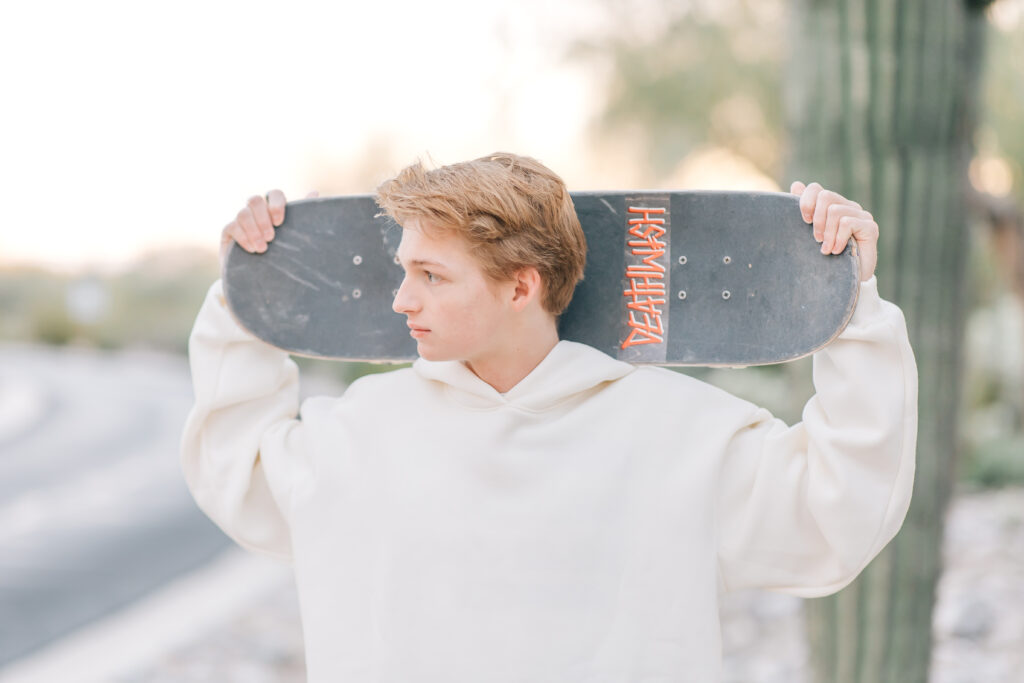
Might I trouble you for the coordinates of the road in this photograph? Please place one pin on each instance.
(93, 509)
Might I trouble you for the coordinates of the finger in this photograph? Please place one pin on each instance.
(867, 247)
(808, 202)
(825, 200)
(797, 187)
(313, 194)
(844, 231)
(261, 214)
(275, 204)
(233, 234)
(227, 235)
(835, 213)
(250, 238)
(865, 231)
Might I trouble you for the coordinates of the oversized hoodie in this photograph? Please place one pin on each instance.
(579, 528)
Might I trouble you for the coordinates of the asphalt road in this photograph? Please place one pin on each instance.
(94, 512)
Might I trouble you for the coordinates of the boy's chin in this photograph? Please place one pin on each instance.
(426, 352)
(433, 353)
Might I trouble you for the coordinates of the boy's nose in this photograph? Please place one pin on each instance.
(404, 302)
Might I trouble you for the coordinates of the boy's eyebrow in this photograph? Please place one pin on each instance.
(424, 262)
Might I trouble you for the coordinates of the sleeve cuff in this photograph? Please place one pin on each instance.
(869, 303)
(215, 317)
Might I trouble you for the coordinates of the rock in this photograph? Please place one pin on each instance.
(974, 621)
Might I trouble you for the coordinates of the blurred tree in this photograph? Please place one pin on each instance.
(155, 301)
(31, 306)
(152, 303)
(882, 101)
(685, 75)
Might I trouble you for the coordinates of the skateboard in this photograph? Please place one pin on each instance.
(672, 278)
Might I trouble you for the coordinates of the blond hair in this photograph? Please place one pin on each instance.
(512, 210)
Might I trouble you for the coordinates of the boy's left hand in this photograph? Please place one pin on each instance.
(836, 219)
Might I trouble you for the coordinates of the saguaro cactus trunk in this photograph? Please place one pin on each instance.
(881, 100)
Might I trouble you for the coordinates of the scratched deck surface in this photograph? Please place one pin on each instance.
(680, 278)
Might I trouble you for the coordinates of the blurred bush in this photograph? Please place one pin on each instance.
(152, 303)
(994, 463)
(343, 371)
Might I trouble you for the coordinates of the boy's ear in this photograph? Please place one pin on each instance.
(528, 286)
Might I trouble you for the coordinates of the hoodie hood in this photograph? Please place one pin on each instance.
(569, 369)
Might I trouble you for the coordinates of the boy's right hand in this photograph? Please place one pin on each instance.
(253, 227)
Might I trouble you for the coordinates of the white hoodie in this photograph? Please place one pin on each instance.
(578, 528)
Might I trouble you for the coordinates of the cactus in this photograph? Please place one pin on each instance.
(881, 103)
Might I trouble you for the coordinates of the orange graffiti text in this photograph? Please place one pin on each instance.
(646, 276)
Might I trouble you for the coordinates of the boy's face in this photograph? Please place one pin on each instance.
(454, 311)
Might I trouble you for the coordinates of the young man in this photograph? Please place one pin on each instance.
(518, 508)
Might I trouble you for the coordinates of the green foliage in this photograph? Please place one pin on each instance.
(52, 325)
(344, 372)
(350, 372)
(978, 4)
(28, 309)
(153, 303)
(994, 463)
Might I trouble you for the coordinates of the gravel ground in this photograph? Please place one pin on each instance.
(979, 619)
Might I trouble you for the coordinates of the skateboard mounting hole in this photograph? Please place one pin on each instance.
(357, 259)
(356, 293)
(682, 294)
(682, 262)
(727, 260)
(726, 294)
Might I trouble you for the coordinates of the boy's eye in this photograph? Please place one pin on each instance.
(431, 277)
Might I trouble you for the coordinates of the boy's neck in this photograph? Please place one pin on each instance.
(516, 358)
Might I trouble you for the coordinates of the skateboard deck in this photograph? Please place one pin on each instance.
(672, 278)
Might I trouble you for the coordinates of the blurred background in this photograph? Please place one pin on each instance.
(133, 133)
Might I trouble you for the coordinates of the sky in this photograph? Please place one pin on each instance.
(133, 126)
(130, 127)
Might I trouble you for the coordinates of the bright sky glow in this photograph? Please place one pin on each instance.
(131, 126)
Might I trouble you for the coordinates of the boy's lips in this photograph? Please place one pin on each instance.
(417, 332)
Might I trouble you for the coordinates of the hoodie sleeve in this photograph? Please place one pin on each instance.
(242, 450)
(803, 509)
